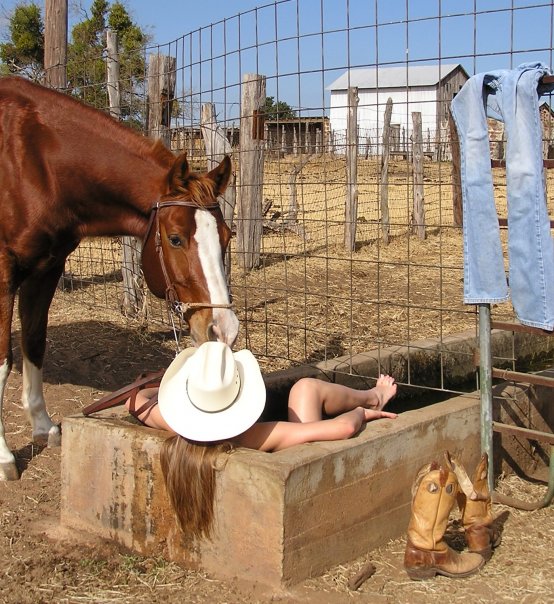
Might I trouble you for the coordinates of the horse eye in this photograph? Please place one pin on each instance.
(175, 240)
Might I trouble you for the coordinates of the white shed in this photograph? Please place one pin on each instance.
(427, 89)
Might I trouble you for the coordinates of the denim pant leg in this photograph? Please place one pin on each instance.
(484, 275)
(530, 245)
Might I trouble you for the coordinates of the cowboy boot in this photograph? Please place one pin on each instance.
(477, 518)
(427, 554)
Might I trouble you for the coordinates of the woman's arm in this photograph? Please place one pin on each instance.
(275, 436)
(150, 417)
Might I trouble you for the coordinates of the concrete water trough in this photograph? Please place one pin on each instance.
(285, 516)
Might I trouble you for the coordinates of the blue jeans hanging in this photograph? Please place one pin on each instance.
(510, 96)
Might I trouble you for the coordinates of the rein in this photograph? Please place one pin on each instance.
(172, 299)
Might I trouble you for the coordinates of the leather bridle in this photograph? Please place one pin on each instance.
(171, 296)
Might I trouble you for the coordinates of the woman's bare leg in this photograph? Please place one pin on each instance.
(311, 399)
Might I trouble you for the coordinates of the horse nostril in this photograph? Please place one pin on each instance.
(211, 333)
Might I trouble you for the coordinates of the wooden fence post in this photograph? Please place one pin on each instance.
(217, 146)
(418, 221)
(132, 304)
(351, 207)
(456, 173)
(161, 91)
(112, 69)
(55, 44)
(249, 214)
(385, 219)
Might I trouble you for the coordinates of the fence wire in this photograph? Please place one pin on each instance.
(310, 299)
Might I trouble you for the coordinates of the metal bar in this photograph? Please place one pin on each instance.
(520, 328)
(485, 385)
(525, 378)
(546, 437)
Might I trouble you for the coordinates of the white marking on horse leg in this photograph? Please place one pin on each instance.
(8, 469)
(44, 430)
(226, 324)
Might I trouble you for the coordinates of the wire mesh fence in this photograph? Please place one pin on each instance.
(309, 298)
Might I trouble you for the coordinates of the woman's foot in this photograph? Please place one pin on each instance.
(383, 391)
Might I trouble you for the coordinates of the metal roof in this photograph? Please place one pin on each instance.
(393, 77)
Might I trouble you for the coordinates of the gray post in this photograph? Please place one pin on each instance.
(385, 218)
(417, 163)
(485, 387)
(351, 207)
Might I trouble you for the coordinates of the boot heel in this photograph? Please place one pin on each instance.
(420, 574)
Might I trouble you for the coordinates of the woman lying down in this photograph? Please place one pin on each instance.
(210, 400)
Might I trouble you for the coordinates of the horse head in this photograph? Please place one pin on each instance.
(183, 251)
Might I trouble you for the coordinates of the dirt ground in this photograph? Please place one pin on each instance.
(288, 314)
(40, 562)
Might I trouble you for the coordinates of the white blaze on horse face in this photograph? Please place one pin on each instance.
(44, 430)
(6, 456)
(226, 324)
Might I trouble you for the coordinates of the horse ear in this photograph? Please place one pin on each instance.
(179, 173)
(221, 175)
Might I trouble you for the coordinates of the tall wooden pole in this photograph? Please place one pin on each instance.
(161, 91)
(249, 210)
(385, 218)
(133, 282)
(456, 172)
(217, 146)
(351, 207)
(55, 44)
(417, 164)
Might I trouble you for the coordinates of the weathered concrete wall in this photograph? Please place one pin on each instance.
(280, 517)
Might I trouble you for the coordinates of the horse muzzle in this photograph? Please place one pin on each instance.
(214, 324)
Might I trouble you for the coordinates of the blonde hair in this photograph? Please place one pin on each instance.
(189, 470)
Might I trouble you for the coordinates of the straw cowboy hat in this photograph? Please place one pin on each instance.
(210, 393)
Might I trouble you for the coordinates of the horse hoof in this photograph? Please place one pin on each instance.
(55, 437)
(8, 471)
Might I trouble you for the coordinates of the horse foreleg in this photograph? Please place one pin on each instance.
(35, 297)
(8, 469)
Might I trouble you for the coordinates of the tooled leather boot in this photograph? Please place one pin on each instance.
(427, 554)
(477, 517)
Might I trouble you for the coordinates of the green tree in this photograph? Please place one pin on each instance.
(24, 52)
(86, 65)
(277, 110)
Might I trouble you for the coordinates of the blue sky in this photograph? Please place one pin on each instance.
(165, 20)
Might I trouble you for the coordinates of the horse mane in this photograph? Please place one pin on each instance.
(199, 189)
(189, 471)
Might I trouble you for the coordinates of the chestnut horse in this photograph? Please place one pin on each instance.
(69, 171)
